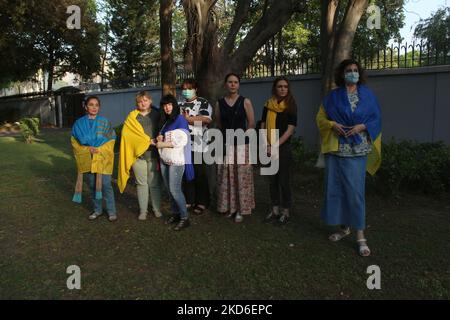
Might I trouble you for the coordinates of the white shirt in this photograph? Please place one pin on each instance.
(174, 156)
(199, 135)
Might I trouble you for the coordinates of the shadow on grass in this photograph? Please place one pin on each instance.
(60, 176)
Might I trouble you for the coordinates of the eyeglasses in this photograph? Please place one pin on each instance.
(351, 70)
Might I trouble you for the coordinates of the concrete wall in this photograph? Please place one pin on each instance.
(415, 102)
(16, 108)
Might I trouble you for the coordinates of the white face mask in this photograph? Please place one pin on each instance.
(188, 93)
(352, 77)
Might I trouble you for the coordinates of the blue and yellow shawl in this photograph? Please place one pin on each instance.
(336, 108)
(96, 133)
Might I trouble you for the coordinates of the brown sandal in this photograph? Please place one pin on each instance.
(199, 210)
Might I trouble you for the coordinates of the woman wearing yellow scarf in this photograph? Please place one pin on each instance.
(138, 152)
(280, 113)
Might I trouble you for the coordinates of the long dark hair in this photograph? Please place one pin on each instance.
(169, 118)
(339, 77)
(289, 99)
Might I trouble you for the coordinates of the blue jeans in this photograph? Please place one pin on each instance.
(107, 193)
(173, 176)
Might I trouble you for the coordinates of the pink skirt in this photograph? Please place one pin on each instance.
(235, 189)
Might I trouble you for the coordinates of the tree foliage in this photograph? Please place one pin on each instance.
(36, 37)
(134, 29)
(435, 29)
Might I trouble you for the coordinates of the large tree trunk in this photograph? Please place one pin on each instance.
(103, 57)
(337, 39)
(328, 38)
(168, 73)
(210, 62)
(51, 69)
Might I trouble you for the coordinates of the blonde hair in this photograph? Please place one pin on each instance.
(142, 94)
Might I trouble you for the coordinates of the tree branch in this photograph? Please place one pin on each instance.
(242, 9)
(277, 15)
(353, 14)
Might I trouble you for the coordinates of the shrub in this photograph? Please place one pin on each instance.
(29, 128)
(304, 156)
(413, 166)
(407, 166)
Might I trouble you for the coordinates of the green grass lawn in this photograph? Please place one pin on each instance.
(42, 233)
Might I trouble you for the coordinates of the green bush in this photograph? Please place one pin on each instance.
(29, 128)
(413, 166)
(304, 156)
(407, 166)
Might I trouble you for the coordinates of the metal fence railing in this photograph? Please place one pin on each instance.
(396, 56)
(405, 55)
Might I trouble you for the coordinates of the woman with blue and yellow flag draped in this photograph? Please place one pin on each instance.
(349, 122)
(138, 152)
(93, 141)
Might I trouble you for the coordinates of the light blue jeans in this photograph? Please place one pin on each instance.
(107, 193)
(173, 177)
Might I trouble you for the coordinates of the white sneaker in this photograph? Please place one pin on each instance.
(157, 214)
(112, 218)
(239, 217)
(94, 215)
(143, 216)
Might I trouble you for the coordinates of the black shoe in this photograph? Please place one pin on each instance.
(173, 219)
(284, 218)
(183, 223)
(272, 216)
(231, 215)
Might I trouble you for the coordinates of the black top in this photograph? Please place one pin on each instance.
(283, 120)
(233, 117)
(150, 123)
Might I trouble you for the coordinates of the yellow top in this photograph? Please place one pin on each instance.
(330, 141)
(101, 162)
(133, 143)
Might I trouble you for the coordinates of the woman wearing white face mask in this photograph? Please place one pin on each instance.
(198, 111)
(349, 122)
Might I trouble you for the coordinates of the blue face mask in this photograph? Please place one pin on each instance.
(352, 77)
(188, 93)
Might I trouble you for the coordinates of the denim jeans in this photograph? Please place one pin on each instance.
(148, 178)
(173, 177)
(107, 193)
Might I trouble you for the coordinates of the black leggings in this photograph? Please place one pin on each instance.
(197, 190)
(280, 186)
